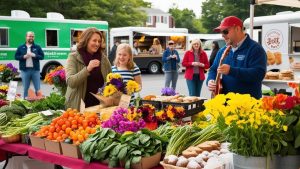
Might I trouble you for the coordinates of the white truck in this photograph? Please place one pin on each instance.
(280, 36)
(145, 35)
(207, 40)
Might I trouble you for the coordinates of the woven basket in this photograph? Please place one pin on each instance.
(169, 166)
(11, 138)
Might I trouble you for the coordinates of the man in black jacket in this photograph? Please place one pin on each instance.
(29, 56)
(112, 54)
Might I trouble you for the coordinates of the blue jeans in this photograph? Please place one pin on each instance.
(28, 75)
(171, 76)
(195, 85)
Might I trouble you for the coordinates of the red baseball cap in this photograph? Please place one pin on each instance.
(229, 22)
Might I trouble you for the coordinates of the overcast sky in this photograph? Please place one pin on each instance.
(164, 5)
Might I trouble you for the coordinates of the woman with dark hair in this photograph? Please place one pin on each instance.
(86, 69)
(215, 49)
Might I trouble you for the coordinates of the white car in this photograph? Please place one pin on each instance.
(207, 45)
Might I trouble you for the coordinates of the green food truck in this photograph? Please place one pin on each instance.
(57, 36)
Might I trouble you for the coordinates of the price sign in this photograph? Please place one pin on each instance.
(124, 101)
(12, 91)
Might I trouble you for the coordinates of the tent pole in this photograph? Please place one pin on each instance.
(252, 3)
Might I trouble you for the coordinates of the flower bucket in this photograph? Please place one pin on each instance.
(243, 162)
(287, 162)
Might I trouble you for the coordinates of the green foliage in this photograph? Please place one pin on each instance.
(292, 136)
(117, 13)
(186, 19)
(128, 148)
(52, 102)
(213, 11)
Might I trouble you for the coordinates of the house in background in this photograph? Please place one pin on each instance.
(158, 19)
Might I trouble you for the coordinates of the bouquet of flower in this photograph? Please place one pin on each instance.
(170, 113)
(123, 120)
(3, 91)
(114, 84)
(168, 91)
(291, 106)
(147, 112)
(7, 72)
(251, 129)
(57, 77)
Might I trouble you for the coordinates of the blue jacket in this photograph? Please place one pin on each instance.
(22, 50)
(170, 64)
(248, 66)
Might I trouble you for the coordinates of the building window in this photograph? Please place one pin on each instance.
(165, 19)
(157, 19)
(51, 38)
(149, 19)
(3, 37)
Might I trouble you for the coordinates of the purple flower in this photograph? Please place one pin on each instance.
(10, 66)
(118, 83)
(120, 124)
(167, 91)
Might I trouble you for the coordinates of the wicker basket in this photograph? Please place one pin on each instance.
(169, 166)
(11, 138)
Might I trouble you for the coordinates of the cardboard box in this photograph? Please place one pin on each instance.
(70, 150)
(53, 146)
(37, 142)
(148, 162)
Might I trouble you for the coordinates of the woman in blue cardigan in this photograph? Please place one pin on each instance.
(170, 60)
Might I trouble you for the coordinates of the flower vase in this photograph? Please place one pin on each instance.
(287, 162)
(243, 162)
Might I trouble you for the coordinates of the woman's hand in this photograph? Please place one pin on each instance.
(93, 63)
(198, 64)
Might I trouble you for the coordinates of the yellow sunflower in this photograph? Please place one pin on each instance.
(109, 90)
(132, 87)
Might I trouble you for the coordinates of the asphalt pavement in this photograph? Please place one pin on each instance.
(152, 84)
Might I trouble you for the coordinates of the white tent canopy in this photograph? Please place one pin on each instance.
(289, 3)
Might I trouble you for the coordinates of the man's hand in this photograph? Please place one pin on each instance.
(31, 54)
(93, 63)
(211, 85)
(26, 56)
(224, 69)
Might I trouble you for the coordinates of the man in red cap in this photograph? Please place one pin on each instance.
(244, 67)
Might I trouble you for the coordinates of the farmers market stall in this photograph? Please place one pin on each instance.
(42, 155)
(153, 131)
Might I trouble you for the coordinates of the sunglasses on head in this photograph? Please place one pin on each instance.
(225, 31)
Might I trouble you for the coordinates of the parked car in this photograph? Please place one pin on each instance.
(207, 46)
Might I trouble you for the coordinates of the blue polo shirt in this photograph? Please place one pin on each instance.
(248, 65)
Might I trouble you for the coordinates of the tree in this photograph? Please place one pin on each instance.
(186, 19)
(117, 12)
(213, 11)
